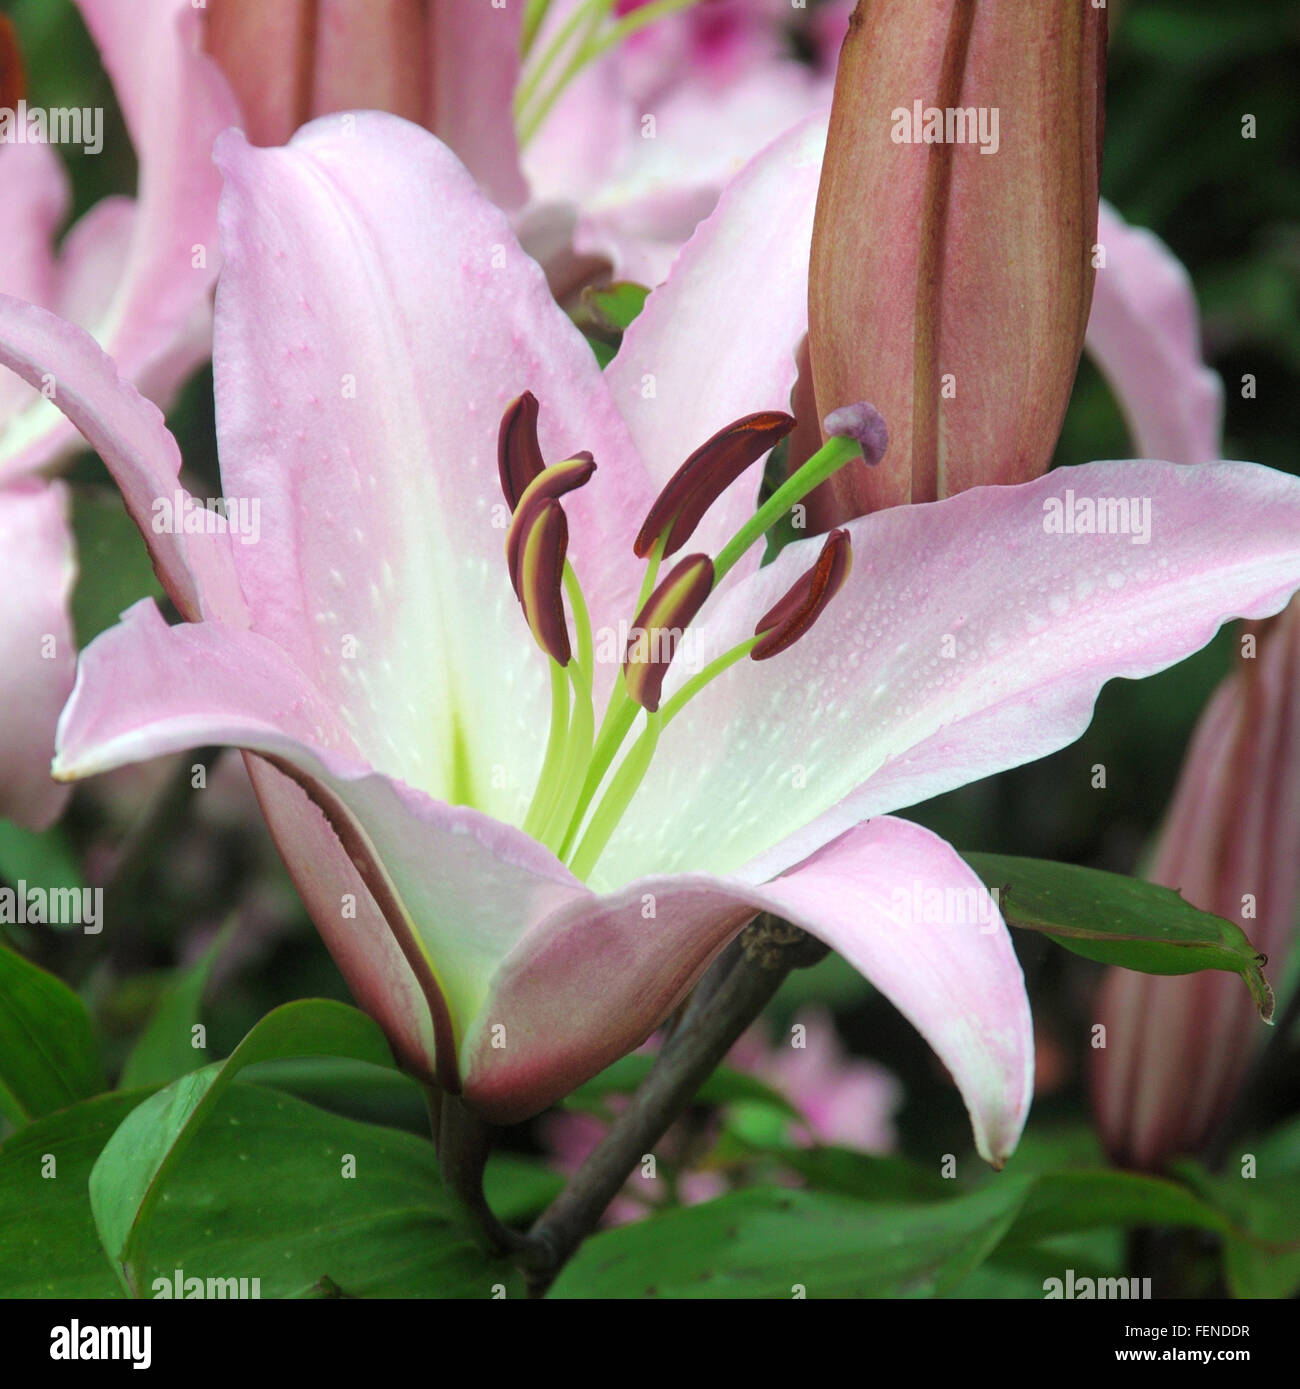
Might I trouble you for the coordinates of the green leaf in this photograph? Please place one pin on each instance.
(772, 1243)
(45, 858)
(48, 1243)
(48, 1055)
(133, 1170)
(1120, 921)
(265, 1195)
(1065, 1202)
(1262, 1259)
(613, 308)
(164, 1050)
(114, 566)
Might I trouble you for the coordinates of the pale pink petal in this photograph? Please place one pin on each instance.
(33, 207)
(718, 339)
(128, 433)
(360, 383)
(175, 102)
(31, 212)
(1144, 334)
(37, 651)
(967, 639)
(591, 981)
(667, 181)
(462, 888)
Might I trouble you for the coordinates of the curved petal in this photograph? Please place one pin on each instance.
(967, 639)
(457, 888)
(128, 433)
(1144, 334)
(588, 984)
(374, 318)
(31, 211)
(148, 280)
(639, 217)
(717, 340)
(37, 651)
(175, 102)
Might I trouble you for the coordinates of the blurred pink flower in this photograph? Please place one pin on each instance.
(844, 1101)
(137, 274)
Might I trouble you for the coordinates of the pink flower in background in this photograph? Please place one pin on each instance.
(844, 1101)
(136, 274)
(369, 649)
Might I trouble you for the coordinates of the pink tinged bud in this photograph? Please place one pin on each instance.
(538, 576)
(519, 455)
(786, 621)
(659, 625)
(1177, 1049)
(706, 475)
(549, 485)
(951, 271)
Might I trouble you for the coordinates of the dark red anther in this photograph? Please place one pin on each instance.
(787, 620)
(659, 626)
(706, 474)
(519, 455)
(550, 484)
(543, 544)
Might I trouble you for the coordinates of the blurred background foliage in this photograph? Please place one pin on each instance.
(1182, 74)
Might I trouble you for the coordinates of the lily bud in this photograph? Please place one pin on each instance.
(444, 64)
(1178, 1048)
(951, 271)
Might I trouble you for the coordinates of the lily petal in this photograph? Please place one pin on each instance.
(460, 887)
(37, 651)
(128, 433)
(147, 287)
(718, 339)
(601, 961)
(1144, 334)
(968, 639)
(359, 392)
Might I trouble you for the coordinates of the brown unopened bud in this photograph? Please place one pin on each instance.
(951, 271)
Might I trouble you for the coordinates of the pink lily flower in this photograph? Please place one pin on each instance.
(376, 320)
(136, 273)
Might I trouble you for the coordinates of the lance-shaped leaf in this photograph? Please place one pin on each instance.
(1121, 921)
(127, 1181)
(951, 270)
